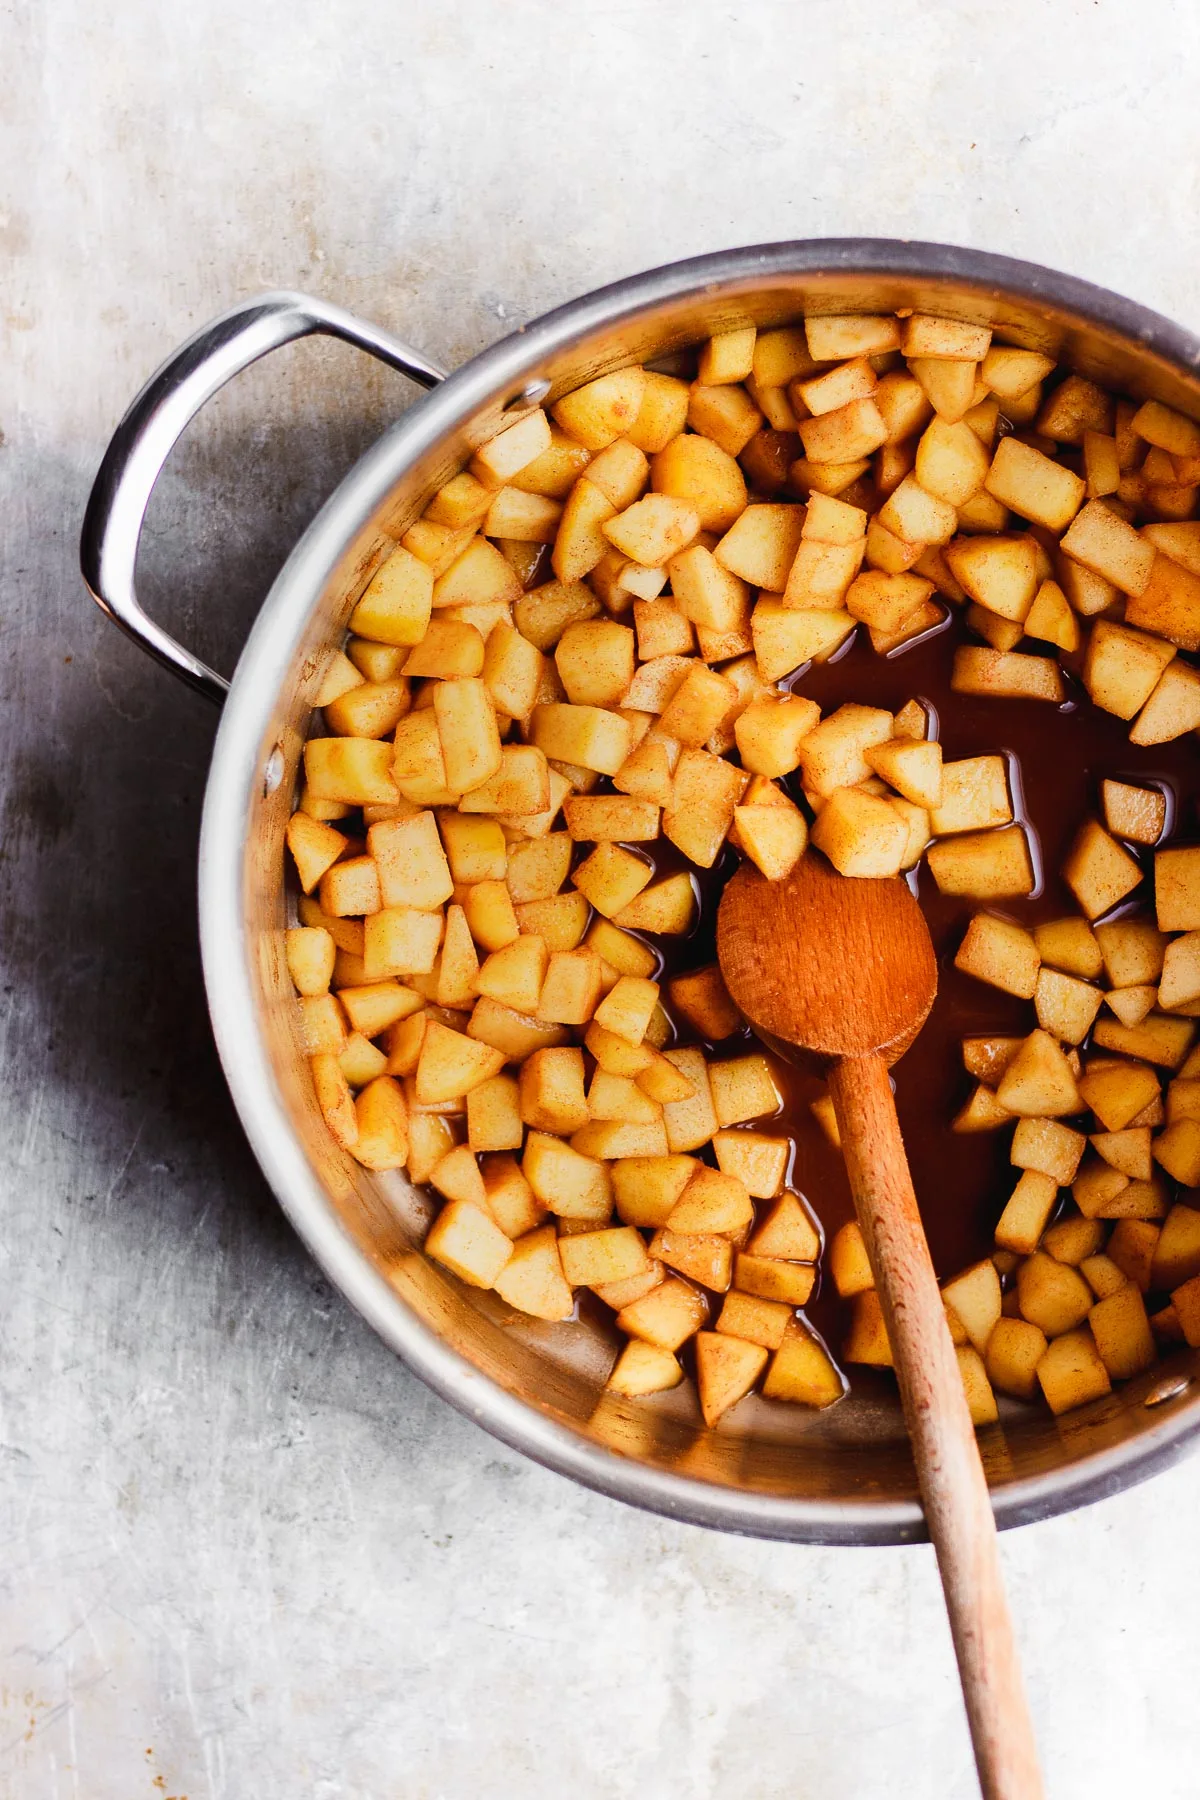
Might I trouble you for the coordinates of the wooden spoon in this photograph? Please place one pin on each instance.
(844, 972)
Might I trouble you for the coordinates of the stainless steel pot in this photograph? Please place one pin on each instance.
(841, 1477)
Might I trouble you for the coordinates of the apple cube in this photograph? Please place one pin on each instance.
(1002, 954)
(1168, 604)
(1098, 871)
(707, 790)
(989, 865)
(704, 1257)
(913, 767)
(975, 1298)
(1039, 1083)
(982, 1112)
(1101, 540)
(1048, 1148)
(1177, 889)
(466, 1241)
(999, 573)
(1123, 667)
(770, 1278)
(1014, 1351)
(666, 1317)
(712, 1202)
(1073, 1240)
(592, 1258)
(758, 1161)
(860, 834)
(987, 1057)
(1071, 1372)
(1052, 1295)
(567, 1183)
(703, 999)
(647, 1188)
(785, 637)
(642, 1369)
(802, 1370)
(760, 546)
(867, 1340)
(1028, 1208)
(595, 662)
(1033, 485)
(726, 1370)
(667, 907)
(1066, 1007)
(974, 796)
(590, 736)
(1122, 1334)
(690, 1123)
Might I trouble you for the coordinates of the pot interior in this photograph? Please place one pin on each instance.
(841, 1475)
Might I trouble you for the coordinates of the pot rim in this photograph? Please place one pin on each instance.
(238, 768)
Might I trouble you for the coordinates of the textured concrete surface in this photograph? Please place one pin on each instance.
(244, 1552)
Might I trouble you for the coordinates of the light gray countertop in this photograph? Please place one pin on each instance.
(245, 1553)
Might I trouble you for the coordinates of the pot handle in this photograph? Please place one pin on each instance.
(116, 508)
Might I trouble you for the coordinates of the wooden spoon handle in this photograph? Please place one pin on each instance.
(953, 1486)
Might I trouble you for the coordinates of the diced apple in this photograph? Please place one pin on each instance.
(1122, 1334)
(989, 865)
(867, 1341)
(667, 1316)
(1050, 1149)
(860, 834)
(707, 790)
(668, 907)
(1029, 1206)
(703, 1256)
(1038, 1083)
(1002, 954)
(1000, 573)
(770, 1278)
(643, 1369)
(802, 1370)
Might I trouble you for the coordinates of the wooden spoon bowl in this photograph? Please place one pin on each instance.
(831, 966)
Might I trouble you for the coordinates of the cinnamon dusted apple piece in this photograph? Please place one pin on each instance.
(1004, 674)
(867, 1340)
(643, 1369)
(1138, 814)
(989, 865)
(982, 1112)
(1028, 1208)
(1172, 709)
(1066, 1006)
(1039, 1083)
(981, 1401)
(1014, 1351)
(467, 1242)
(1098, 871)
(1103, 542)
(802, 1370)
(1002, 954)
(1123, 667)
(1071, 1372)
(785, 637)
(862, 835)
(1033, 485)
(1122, 1335)
(999, 573)
(974, 796)
(987, 1057)
(1048, 1148)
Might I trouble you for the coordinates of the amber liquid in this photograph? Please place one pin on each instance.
(1057, 757)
